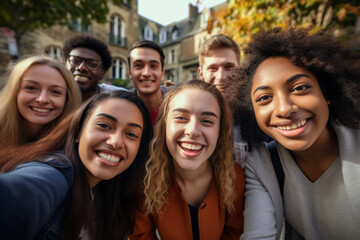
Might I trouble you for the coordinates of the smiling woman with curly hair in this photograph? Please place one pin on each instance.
(302, 90)
(193, 188)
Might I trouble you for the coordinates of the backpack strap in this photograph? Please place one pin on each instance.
(275, 159)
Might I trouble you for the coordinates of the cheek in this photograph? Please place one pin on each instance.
(134, 149)
(60, 102)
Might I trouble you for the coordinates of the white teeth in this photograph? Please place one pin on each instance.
(80, 77)
(190, 146)
(42, 110)
(148, 81)
(108, 157)
(293, 126)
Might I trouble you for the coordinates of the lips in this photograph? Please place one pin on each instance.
(40, 110)
(80, 78)
(109, 157)
(293, 126)
(191, 147)
(146, 81)
(294, 129)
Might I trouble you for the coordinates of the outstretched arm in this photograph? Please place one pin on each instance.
(29, 196)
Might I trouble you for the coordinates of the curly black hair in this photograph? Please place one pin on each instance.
(86, 41)
(336, 68)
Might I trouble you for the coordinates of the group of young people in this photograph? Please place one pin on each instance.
(157, 162)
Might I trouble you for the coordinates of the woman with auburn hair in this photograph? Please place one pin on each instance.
(83, 179)
(193, 187)
(302, 90)
(39, 92)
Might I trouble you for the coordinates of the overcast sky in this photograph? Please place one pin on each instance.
(168, 11)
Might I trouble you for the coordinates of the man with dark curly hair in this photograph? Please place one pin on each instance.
(302, 90)
(88, 59)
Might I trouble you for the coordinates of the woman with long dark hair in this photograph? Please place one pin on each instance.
(85, 177)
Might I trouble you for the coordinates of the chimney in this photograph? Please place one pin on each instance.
(193, 11)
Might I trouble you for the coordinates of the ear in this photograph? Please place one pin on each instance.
(163, 74)
(200, 72)
(102, 74)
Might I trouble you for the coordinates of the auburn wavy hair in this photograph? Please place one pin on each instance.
(160, 167)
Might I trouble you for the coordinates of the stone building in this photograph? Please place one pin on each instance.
(179, 40)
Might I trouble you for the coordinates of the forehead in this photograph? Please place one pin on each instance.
(277, 70)
(144, 54)
(116, 107)
(195, 100)
(44, 74)
(221, 55)
(85, 53)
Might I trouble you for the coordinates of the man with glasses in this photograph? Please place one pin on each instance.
(88, 59)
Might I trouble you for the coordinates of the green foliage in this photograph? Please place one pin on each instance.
(119, 82)
(28, 15)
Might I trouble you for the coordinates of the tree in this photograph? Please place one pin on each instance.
(241, 18)
(23, 16)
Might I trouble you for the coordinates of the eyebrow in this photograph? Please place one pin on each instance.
(115, 120)
(291, 79)
(34, 82)
(142, 61)
(208, 113)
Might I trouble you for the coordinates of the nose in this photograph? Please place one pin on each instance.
(284, 106)
(192, 128)
(220, 74)
(115, 140)
(82, 66)
(43, 97)
(146, 71)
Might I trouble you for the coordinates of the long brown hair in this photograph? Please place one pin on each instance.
(109, 213)
(160, 167)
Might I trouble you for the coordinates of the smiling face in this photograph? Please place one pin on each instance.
(86, 77)
(218, 66)
(192, 128)
(41, 97)
(288, 104)
(146, 70)
(110, 139)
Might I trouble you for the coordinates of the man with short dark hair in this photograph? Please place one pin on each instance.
(218, 56)
(146, 69)
(88, 59)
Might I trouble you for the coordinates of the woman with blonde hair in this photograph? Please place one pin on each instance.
(39, 92)
(193, 187)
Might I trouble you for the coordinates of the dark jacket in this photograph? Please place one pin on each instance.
(33, 198)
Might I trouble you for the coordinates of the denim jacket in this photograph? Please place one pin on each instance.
(33, 198)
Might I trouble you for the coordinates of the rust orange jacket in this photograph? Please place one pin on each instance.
(215, 222)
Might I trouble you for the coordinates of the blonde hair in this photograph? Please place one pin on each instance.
(10, 118)
(160, 167)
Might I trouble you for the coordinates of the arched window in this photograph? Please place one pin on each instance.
(118, 69)
(53, 52)
(148, 33)
(117, 31)
(78, 26)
